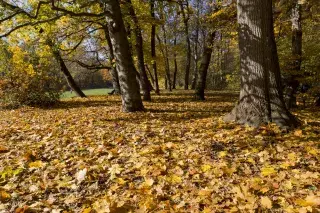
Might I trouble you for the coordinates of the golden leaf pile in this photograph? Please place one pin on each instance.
(178, 156)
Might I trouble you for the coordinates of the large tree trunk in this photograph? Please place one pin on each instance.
(186, 29)
(140, 55)
(203, 70)
(261, 99)
(113, 71)
(153, 50)
(64, 69)
(130, 91)
(293, 83)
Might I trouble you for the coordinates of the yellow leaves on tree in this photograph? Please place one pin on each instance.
(20, 61)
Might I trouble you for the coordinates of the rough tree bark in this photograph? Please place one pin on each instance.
(153, 50)
(113, 71)
(140, 55)
(64, 69)
(130, 91)
(261, 98)
(203, 70)
(293, 82)
(186, 29)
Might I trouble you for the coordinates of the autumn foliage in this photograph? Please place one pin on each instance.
(178, 156)
(27, 79)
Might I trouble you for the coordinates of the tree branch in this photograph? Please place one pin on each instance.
(91, 66)
(10, 16)
(71, 13)
(19, 10)
(28, 24)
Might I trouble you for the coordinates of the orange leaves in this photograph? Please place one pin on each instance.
(4, 196)
(95, 158)
(3, 149)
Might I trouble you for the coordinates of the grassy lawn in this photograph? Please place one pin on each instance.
(88, 92)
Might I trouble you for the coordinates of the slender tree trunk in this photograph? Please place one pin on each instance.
(261, 99)
(153, 50)
(317, 103)
(186, 29)
(293, 83)
(140, 55)
(64, 69)
(175, 66)
(196, 55)
(164, 51)
(203, 70)
(113, 71)
(130, 91)
(151, 76)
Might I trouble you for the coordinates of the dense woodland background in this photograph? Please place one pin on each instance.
(34, 39)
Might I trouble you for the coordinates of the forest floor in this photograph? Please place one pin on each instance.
(178, 156)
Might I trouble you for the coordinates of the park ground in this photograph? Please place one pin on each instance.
(85, 155)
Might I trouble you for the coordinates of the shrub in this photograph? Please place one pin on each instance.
(27, 81)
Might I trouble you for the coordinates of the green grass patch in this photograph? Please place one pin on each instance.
(88, 92)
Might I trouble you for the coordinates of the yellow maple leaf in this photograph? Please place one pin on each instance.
(292, 156)
(310, 150)
(310, 200)
(87, 210)
(121, 181)
(205, 168)
(149, 182)
(266, 171)
(266, 202)
(222, 154)
(4, 196)
(36, 164)
(175, 179)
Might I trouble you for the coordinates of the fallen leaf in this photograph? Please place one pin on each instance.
(81, 175)
(266, 202)
(3, 149)
(266, 171)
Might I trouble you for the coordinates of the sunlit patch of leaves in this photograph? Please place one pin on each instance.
(87, 156)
